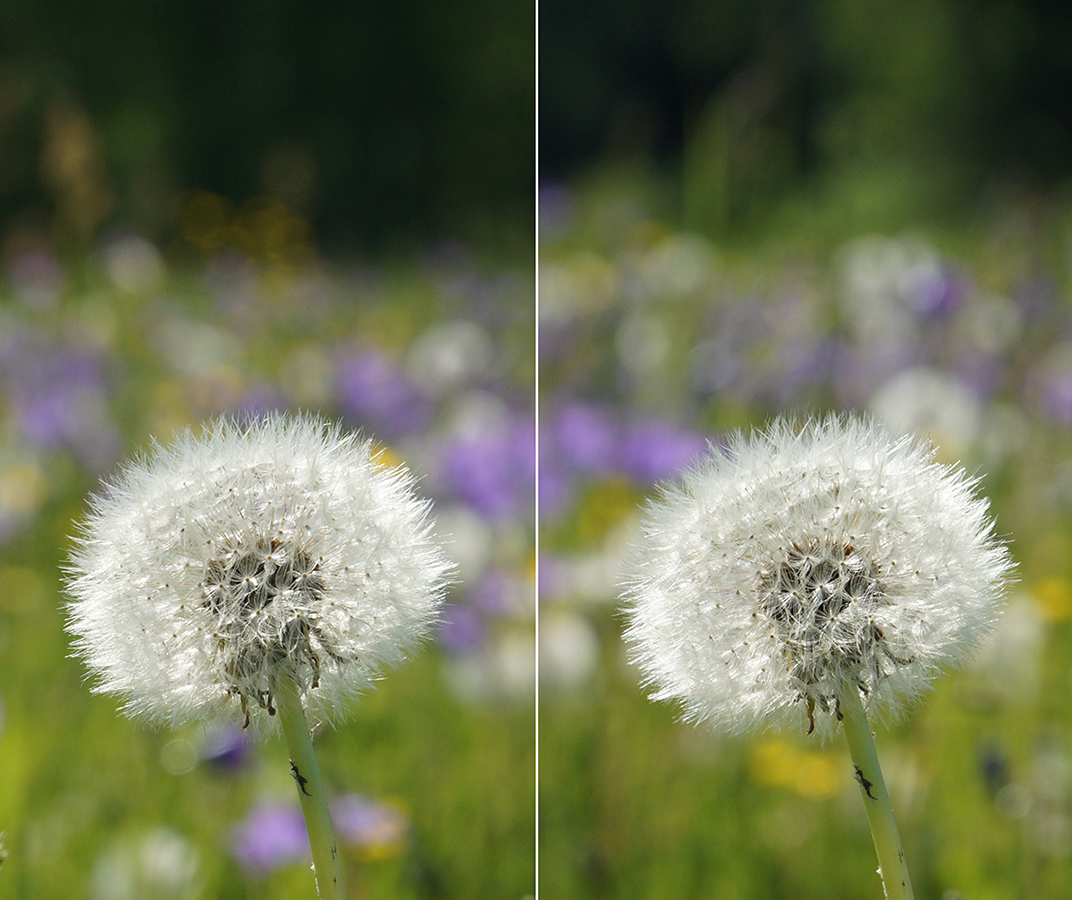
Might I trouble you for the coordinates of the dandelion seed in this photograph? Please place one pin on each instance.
(804, 575)
(209, 567)
(250, 571)
(837, 556)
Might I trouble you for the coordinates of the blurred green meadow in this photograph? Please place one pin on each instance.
(434, 357)
(655, 340)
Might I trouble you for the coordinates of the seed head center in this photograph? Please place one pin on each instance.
(807, 592)
(265, 596)
(824, 603)
(241, 581)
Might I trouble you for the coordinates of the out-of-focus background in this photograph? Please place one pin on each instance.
(231, 208)
(749, 210)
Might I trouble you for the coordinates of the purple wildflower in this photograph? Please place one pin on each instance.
(368, 826)
(654, 450)
(60, 399)
(939, 295)
(493, 593)
(552, 576)
(1055, 385)
(586, 438)
(375, 392)
(493, 471)
(273, 834)
(258, 402)
(461, 628)
(464, 624)
(226, 749)
(803, 365)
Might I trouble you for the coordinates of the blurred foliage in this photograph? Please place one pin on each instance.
(380, 125)
(871, 114)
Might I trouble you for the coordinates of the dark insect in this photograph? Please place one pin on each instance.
(864, 783)
(303, 781)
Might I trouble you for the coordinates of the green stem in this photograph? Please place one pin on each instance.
(314, 802)
(891, 858)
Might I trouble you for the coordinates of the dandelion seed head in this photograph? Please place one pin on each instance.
(802, 563)
(211, 567)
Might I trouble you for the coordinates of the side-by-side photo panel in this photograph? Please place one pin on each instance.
(804, 367)
(268, 452)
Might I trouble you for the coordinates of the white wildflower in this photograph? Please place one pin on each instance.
(210, 568)
(799, 565)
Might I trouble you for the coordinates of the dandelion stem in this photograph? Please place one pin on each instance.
(891, 858)
(314, 804)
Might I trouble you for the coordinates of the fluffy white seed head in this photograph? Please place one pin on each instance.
(801, 564)
(209, 568)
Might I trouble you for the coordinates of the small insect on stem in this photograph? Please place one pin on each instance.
(303, 781)
(864, 783)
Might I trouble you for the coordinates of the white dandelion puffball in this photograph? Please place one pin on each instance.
(801, 564)
(211, 567)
